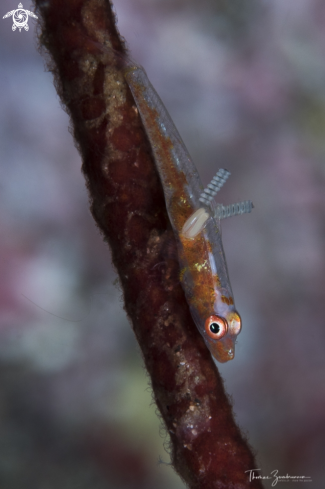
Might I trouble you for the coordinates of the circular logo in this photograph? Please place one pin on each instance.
(20, 19)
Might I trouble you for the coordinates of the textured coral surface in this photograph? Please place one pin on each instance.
(208, 450)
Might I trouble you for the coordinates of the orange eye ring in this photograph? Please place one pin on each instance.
(216, 327)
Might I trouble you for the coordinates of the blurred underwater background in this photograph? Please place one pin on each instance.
(245, 85)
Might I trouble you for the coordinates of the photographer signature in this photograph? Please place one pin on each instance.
(275, 477)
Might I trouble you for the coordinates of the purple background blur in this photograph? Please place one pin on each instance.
(244, 82)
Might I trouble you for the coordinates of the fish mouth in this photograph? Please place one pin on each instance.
(223, 350)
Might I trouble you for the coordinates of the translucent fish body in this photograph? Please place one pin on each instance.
(204, 274)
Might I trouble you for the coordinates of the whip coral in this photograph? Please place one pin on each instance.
(127, 203)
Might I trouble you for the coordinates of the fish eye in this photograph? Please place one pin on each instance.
(234, 323)
(216, 327)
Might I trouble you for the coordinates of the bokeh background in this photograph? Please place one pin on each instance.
(245, 84)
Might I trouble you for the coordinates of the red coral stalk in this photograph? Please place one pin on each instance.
(208, 450)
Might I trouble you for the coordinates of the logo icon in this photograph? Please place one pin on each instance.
(20, 18)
